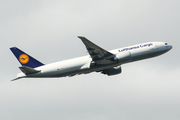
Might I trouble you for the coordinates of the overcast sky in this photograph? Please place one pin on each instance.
(48, 30)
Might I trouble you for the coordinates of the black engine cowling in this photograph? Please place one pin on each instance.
(112, 71)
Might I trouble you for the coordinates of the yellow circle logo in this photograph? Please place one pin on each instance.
(23, 58)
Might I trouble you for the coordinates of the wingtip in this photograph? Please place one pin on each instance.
(81, 37)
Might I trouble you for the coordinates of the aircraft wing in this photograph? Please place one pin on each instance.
(96, 52)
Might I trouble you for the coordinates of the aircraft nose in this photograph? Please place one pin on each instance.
(169, 47)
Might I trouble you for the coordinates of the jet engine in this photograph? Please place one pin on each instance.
(112, 71)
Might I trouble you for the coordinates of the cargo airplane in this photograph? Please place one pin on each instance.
(98, 60)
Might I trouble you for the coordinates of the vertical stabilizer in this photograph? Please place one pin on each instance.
(25, 59)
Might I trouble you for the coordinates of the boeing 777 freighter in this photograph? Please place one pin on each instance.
(98, 60)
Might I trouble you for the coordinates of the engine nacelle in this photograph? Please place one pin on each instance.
(112, 71)
(123, 57)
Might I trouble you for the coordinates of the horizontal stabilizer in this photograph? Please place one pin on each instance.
(28, 70)
(16, 79)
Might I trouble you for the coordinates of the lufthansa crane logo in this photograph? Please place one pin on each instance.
(23, 58)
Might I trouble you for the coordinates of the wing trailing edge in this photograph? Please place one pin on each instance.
(96, 52)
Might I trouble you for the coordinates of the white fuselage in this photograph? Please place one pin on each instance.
(82, 65)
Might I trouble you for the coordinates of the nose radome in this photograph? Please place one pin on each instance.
(169, 47)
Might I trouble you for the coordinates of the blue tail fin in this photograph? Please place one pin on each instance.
(25, 59)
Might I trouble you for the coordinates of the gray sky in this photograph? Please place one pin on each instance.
(48, 31)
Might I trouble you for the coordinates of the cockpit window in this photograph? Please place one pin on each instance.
(166, 44)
